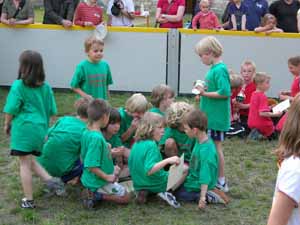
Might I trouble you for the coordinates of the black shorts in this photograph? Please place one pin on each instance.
(14, 152)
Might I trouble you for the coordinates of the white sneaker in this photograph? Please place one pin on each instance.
(169, 198)
(222, 187)
(216, 196)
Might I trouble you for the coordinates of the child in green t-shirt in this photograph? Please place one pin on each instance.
(145, 161)
(215, 97)
(175, 141)
(92, 76)
(162, 97)
(118, 151)
(135, 107)
(65, 135)
(200, 184)
(29, 105)
(99, 175)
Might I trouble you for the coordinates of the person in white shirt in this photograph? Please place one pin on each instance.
(285, 209)
(120, 13)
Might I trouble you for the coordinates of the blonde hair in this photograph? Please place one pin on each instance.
(261, 77)
(159, 92)
(204, 2)
(249, 63)
(93, 39)
(289, 140)
(176, 112)
(236, 80)
(267, 17)
(137, 103)
(149, 122)
(209, 44)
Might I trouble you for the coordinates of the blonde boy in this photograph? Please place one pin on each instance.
(215, 99)
(135, 107)
(92, 76)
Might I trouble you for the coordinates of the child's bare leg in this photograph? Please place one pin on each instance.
(221, 159)
(26, 175)
(117, 199)
(40, 171)
(171, 148)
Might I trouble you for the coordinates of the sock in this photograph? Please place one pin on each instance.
(221, 180)
(98, 196)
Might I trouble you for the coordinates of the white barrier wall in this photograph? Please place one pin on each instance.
(270, 54)
(137, 56)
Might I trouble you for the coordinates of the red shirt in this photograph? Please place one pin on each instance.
(259, 103)
(172, 10)
(249, 89)
(86, 13)
(295, 88)
(206, 20)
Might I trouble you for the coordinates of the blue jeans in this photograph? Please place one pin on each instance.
(183, 195)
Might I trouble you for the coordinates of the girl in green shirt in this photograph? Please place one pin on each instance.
(29, 106)
(145, 161)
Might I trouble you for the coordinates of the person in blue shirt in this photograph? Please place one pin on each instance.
(257, 9)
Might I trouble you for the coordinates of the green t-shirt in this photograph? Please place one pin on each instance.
(31, 109)
(62, 148)
(184, 143)
(156, 110)
(94, 153)
(143, 156)
(115, 141)
(203, 167)
(217, 110)
(124, 125)
(92, 78)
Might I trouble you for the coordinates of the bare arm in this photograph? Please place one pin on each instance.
(129, 15)
(244, 22)
(202, 200)
(281, 209)
(163, 163)
(7, 123)
(99, 173)
(270, 114)
(4, 19)
(82, 93)
(233, 20)
(178, 17)
(30, 20)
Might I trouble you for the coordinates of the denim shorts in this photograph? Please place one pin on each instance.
(183, 195)
(75, 172)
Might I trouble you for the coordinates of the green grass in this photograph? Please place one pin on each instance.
(250, 169)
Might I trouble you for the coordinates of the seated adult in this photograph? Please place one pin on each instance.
(59, 12)
(169, 13)
(17, 12)
(120, 13)
(285, 12)
(88, 14)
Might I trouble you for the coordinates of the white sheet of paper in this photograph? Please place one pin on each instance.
(281, 106)
(175, 173)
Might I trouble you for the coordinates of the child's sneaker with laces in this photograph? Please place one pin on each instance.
(55, 185)
(27, 204)
(216, 196)
(222, 187)
(169, 198)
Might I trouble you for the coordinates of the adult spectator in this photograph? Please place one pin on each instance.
(237, 11)
(285, 12)
(257, 9)
(120, 13)
(226, 20)
(88, 14)
(17, 12)
(59, 12)
(1, 4)
(169, 13)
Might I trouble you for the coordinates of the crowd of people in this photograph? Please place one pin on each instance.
(102, 147)
(242, 15)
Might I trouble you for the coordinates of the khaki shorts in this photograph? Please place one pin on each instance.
(113, 189)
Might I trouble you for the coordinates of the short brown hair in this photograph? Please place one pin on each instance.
(159, 92)
(81, 106)
(261, 77)
(196, 119)
(97, 109)
(90, 41)
(295, 61)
